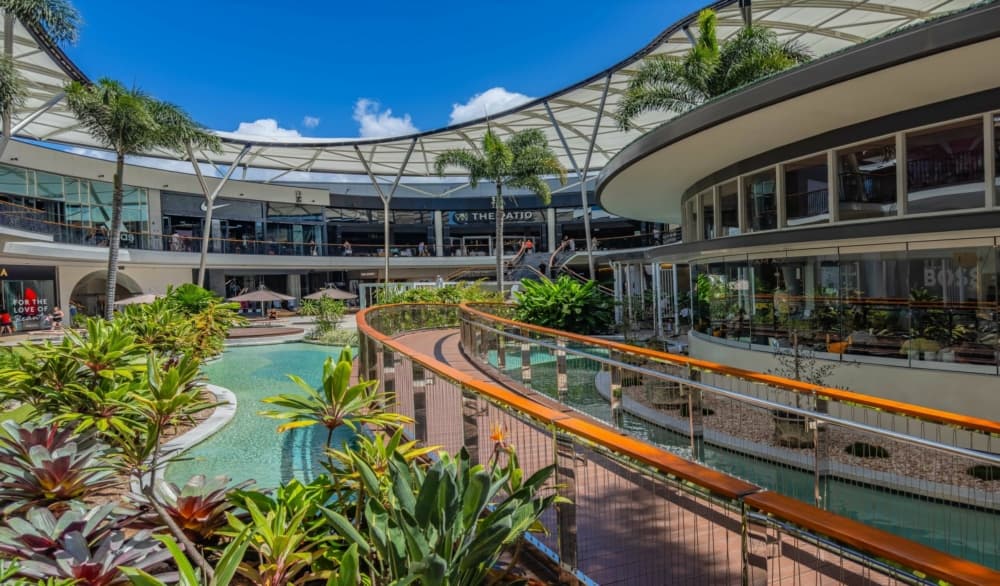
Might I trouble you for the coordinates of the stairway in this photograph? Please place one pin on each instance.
(529, 266)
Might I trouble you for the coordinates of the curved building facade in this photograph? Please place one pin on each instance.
(847, 208)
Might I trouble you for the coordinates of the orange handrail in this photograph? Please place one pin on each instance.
(867, 539)
(888, 405)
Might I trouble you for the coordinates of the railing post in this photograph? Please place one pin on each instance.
(615, 390)
(388, 368)
(525, 360)
(695, 416)
(565, 457)
(471, 410)
(562, 380)
(821, 472)
(501, 350)
(421, 378)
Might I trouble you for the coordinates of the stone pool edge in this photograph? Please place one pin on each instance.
(224, 412)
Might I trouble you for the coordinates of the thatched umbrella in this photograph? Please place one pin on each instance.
(261, 296)
(331, 293)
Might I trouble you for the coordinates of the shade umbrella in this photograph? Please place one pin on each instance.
(331, 293)
(141, 298)
(261, 296)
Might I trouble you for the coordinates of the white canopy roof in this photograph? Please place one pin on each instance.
(574, 119)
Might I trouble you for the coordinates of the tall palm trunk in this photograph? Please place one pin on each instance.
(499, 243)
(115, 238)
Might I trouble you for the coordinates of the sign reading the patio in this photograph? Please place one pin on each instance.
(489, 217)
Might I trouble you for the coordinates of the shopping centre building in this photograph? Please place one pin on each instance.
(846, 206)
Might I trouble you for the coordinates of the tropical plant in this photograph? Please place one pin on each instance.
(57, 18)
(467, 291)
(708, 70)
(128, 121)
(223, 572)
(9, 573)
(445, 524)
(40, 531)
(564, 304)
(199, 508)
(519, 162)
(327, 313)
(376, 451)
(40, 465)
(335, 403)
(157, 327)
(96, 564)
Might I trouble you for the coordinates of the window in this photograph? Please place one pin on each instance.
(806, 193)
(729, 212)
(944, 168)
(708, 215)
(867, 177)
(761, 202)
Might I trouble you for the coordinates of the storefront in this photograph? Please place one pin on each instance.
(28, 293)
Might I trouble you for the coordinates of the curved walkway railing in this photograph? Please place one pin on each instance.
(638, 513)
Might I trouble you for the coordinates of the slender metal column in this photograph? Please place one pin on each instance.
(471, 409)
(616, 391)
(583, 179)
(525, 361)
(420, 381)
(696, 427)
(386, 198)
(210, 203)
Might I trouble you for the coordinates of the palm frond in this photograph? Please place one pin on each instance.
(178, 129)
(57, 17)
(536, 185)
(472, 163)
(12, 91)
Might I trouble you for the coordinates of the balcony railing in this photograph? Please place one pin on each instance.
(641, 513)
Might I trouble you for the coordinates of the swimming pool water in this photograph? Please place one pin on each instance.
(250, 447)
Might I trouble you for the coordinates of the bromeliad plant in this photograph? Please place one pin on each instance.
(44, 465)
(564, 304)
(199, 508)
(335, 403)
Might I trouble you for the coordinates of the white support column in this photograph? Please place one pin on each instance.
(550, 228)
(206, 231)
(438, 233)
(832, 186)
(989, 160)
(5, 138)
(902, 185)
(741, 203)
(717, 211)
(657, 298)
(699, 225)
(386, 199)
(779, 195)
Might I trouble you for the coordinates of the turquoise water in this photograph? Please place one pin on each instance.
(961, 531)
(250, 447)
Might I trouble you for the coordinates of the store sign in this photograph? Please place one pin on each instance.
(937, 276)
(490, 217)
(27, 273)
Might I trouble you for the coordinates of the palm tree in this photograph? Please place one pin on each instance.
(128, 121)
(708, 70)
(57, 18)
(521, 162)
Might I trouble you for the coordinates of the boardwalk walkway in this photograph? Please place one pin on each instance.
(633, 528)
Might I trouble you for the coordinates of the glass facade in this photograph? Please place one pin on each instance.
(944, 168)
(915, 302)
(729, 208)
(867, 178)
(807, 194)
(761, 201)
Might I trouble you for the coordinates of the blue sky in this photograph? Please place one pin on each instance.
(345, 69)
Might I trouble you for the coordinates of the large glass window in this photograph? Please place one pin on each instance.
(761, 201)
(867, 177)
(806, 193)
(729, 209)
(691, 219)
(708, 214)
(944, 167)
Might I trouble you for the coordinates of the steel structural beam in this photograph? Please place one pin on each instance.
(206, 232)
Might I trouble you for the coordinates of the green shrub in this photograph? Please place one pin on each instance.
(564, 304)
(471, 291)
(327, 313)
(336, 338)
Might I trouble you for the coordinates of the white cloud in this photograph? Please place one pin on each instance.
(374, 123)
(267, 128)
(488, 103)
(310, 121)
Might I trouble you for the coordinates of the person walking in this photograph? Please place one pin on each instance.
(57, 317)
(6, 323)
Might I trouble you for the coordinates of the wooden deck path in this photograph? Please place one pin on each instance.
(633, 528)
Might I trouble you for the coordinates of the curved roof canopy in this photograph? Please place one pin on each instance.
(577, 120)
